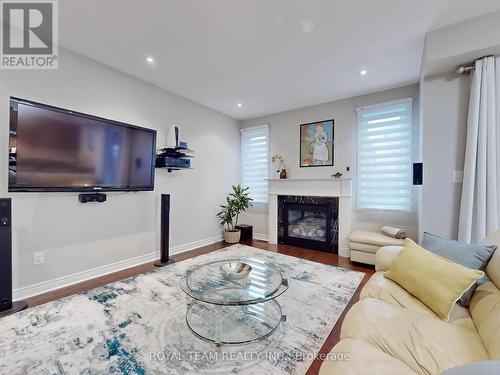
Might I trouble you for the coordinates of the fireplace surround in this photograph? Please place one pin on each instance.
(340, 188)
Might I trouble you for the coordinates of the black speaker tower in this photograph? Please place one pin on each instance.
(7, 307)
(164, 232)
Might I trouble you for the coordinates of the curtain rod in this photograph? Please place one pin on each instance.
(465, 69)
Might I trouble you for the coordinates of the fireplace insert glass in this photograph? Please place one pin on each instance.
(307, 224)
(310, 222)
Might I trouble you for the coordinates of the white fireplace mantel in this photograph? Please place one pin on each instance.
(317, 187)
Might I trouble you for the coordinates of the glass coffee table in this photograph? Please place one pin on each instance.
(233, 301)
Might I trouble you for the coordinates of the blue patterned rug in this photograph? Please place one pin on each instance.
(137, 326)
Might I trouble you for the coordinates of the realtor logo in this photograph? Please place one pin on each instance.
(29, 34)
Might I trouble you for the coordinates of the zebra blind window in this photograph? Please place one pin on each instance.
(385, 156)
(255, 161)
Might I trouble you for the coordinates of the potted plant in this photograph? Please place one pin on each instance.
(236, 203)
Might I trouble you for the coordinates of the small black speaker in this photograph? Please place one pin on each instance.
(92, 197)
(7, 307)
(418, 172)
(164, 232)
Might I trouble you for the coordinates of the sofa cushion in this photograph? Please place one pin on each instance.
(374, 238)
(384, 257)
(485, 311)
(493, 268)
(383, 289)
(364, 359)
(435, 281)
(424, 343)
(468, 255)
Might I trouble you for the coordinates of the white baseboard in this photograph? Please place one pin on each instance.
(195, 244)
(61, 282)
(260, 236)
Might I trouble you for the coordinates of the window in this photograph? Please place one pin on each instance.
(385, 156)
(255, 161)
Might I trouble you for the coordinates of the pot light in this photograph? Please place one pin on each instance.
(363, 72)
(150, 60)
(239, 105)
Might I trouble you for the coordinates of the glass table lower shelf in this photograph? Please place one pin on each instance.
(233, 325)
(233, 301)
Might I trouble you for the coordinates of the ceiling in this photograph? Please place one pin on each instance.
(268, 55)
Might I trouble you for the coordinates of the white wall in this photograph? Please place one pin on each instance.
(284, 136)
(78, 237)
(444, 96)
(444, 118)
(461, 43)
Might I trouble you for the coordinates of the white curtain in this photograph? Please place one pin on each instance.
(480, 205)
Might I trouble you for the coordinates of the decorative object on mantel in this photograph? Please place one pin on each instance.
(236, 203)
(176, 155)
(316, 144)
(337, 175)
(283, 174)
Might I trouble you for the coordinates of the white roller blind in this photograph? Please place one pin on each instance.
(385, 156)
(255, 161)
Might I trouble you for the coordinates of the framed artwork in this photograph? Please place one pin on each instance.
(316, 144)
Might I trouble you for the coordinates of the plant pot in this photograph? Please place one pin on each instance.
(232, 236)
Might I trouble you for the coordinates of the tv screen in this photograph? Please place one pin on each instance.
(54, 149)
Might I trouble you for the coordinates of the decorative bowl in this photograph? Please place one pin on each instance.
(235, 270)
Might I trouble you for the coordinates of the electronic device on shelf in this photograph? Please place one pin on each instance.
(167, 161)
(173, 136)
(55, 149)
(174, 158)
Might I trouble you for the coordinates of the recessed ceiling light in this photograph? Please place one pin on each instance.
(307, 26)
(363, 72)
(150, 60)
(239, 105)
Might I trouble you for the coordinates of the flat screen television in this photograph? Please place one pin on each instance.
(55, 149)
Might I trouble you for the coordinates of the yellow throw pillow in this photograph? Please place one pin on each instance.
(436, 281)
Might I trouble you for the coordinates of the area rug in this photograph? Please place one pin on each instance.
(137, 326)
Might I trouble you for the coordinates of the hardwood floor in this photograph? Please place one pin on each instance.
(313, 255)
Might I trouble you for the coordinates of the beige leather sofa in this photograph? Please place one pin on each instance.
(391, 332)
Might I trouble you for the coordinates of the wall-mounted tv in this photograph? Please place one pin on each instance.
(55, 149)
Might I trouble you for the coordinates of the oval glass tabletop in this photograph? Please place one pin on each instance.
(237, 281)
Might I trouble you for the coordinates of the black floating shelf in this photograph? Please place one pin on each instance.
(167, 150)
(170, 169)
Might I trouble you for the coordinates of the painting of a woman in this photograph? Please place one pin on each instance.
(316, 144)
